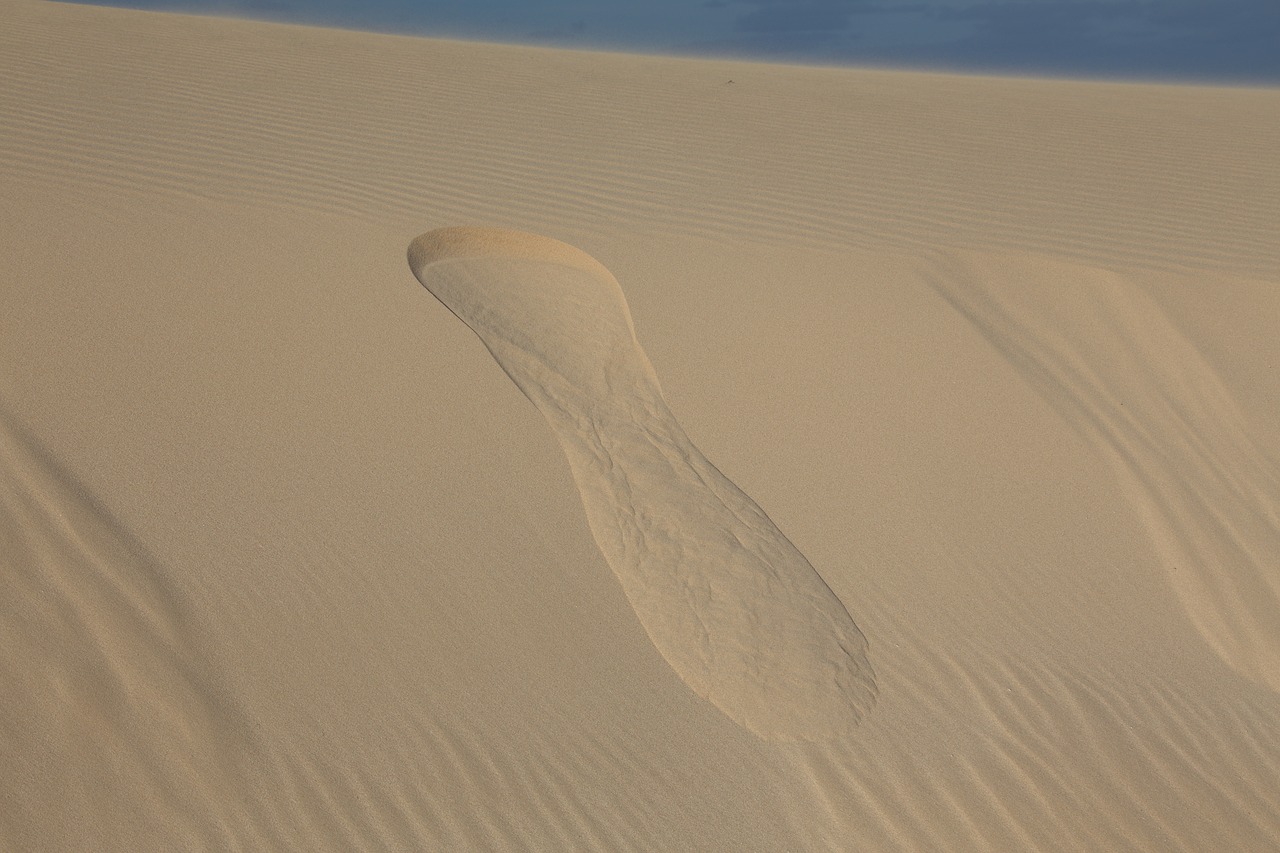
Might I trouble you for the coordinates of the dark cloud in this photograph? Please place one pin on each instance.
(273, 7)
(795, 45)
(575, 30)
(1236, 39)
(1226, 40)
(793, 17)
(1188, 39)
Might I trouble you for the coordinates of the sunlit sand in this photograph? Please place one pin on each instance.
(833, 460)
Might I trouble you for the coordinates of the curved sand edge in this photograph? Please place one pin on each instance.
(1109, 360)
(381, 559)
(732, 605)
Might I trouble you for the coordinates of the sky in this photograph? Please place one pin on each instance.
(1232, 41)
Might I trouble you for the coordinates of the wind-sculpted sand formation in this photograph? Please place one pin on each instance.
(108, 661)
(1102, 352)
(287, 564)
(735, 609)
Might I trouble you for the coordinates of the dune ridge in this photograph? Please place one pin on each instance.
(730, 603)
(1103, 354)
(1052, 758)
(1093, 171)
(286, 565)
(109, 663)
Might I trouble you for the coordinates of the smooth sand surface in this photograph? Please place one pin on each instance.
(727, 599)
(954, 523)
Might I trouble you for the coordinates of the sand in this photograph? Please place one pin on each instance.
(822, 460)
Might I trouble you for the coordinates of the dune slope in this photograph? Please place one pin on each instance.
(1103, 353)
(289, 564)
(732, 605)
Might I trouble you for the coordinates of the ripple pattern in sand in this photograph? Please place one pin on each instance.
(1103, 354)
(250, 112)
(728, 600)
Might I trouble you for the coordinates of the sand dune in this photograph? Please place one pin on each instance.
(1102, 352)
(728, 600)
(104, 662)
(289, 564)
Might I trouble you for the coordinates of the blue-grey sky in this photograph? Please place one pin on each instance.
(1210, 40)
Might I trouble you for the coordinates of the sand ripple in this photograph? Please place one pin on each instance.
(730, 603)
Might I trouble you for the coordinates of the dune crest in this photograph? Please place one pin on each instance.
(1106, 357)
(117, 701)
(286, 565)
(732, 605)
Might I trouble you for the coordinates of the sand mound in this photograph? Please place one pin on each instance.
(285, 564)
(1104, 354)
(732, 605)
(109, 665)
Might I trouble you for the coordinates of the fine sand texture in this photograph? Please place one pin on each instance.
(954, 523)
(730, 603)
